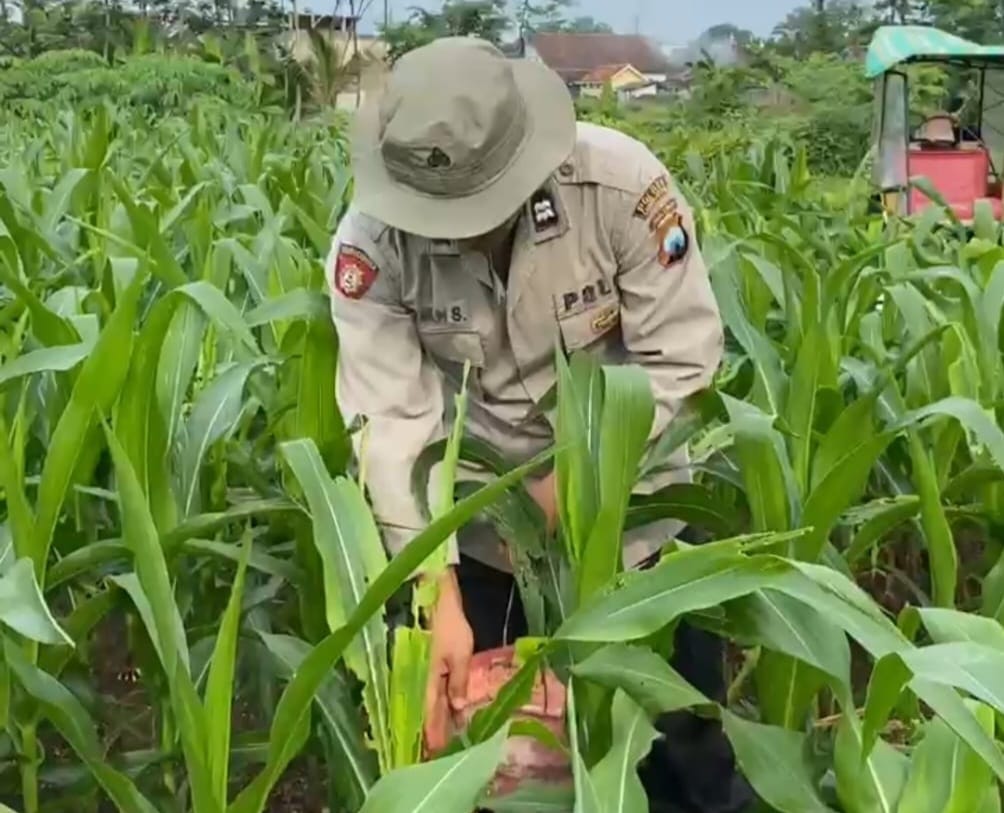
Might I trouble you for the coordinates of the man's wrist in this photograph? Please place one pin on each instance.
(445, 586)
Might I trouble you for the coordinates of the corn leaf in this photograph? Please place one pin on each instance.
(214, 415)
(577, 439)
(20, 517)
(642, 675)
(96, 389)
(220, 685)
(941, 551)
(993, 592)
(691, 503)
(880, 518)
(176, 356)
(140, 424)
(586, 797)
(408, 680)
(532, 797)
(23, 609)
(803, 650)
(683, 581)
(511, 697)
(164, 623)
(840, 487)
(696, 413)
(50, 328)
(951, 626)
(946, 775)
(770, 385)
(355, 770)
(625, 426)
(973, 668)
(767, 476)
(449, 785)
(814, 369)
(348, 540)
(867, 784)
(615, 777)
(776, 763)
(310, 379)
(60, 358)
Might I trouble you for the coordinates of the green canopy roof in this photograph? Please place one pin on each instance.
(894, 44)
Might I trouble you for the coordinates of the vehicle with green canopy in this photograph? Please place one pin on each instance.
(953, 154)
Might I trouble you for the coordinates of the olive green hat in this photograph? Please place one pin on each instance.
(460, 139)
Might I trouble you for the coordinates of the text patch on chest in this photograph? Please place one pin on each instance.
(455, 313)
(586, 295)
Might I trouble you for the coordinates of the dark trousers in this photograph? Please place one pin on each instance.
(691, 768)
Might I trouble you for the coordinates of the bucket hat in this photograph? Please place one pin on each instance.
(460, 138)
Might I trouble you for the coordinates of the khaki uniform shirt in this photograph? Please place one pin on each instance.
(604, 259)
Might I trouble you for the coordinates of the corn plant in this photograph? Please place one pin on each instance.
(168, 329)
(171, 457)
(794, 611)
(812, 418)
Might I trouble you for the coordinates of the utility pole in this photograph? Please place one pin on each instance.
(386, 13)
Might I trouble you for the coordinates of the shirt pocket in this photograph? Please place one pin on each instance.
(451, 348)
(597, 326)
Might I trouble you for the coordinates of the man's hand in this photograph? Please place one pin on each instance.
(545, 494)
(452, 647)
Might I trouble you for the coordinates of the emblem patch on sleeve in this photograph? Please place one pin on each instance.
(354, 272)
(673, 239)
(657, 190)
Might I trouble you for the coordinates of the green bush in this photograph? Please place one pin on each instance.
(81, 79)
(42, 78)
(61, 62)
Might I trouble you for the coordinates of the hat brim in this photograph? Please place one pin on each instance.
(549, 141)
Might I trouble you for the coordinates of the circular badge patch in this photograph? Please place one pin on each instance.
(673, 241)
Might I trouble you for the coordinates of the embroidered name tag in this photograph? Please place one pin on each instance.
(586, 295)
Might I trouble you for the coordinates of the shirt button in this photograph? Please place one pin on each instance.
(566, 170)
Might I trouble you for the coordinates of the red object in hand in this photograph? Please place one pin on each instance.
(526, 758)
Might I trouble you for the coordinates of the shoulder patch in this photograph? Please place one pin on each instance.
(354, 272)
(674, 241)
(656, 192)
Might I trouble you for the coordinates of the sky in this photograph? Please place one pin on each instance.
(675, 22)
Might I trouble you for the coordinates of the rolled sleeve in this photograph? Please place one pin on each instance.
(383, 378)
(669, 318)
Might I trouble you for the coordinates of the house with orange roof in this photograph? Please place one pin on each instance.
(625, 80)
(632, 65)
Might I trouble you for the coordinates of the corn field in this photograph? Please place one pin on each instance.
(196, 612)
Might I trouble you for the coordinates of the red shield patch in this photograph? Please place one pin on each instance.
(354, 272)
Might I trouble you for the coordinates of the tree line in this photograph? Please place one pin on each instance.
(31, 27)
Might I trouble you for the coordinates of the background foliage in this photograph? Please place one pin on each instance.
(195, 610)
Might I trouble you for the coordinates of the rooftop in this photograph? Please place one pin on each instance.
(573, 56)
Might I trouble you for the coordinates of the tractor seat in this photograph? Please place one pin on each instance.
(938, 132)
